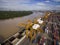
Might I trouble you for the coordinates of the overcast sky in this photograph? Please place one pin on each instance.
(29, 4)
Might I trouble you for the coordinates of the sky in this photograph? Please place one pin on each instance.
(29, 5)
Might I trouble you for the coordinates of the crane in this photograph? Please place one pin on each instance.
(34, 27)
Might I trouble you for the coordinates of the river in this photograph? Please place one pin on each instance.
(9, 27)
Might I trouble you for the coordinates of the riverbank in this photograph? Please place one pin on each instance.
(13, 14)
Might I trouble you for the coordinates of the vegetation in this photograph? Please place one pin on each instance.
(12, 14)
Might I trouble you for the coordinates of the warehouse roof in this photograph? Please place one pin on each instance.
(35, 26)
(40, 21)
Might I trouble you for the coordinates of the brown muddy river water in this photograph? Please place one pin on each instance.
(9, 27)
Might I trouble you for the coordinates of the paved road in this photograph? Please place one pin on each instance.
(26, 42)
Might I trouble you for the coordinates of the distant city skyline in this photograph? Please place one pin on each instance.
(29, 5)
